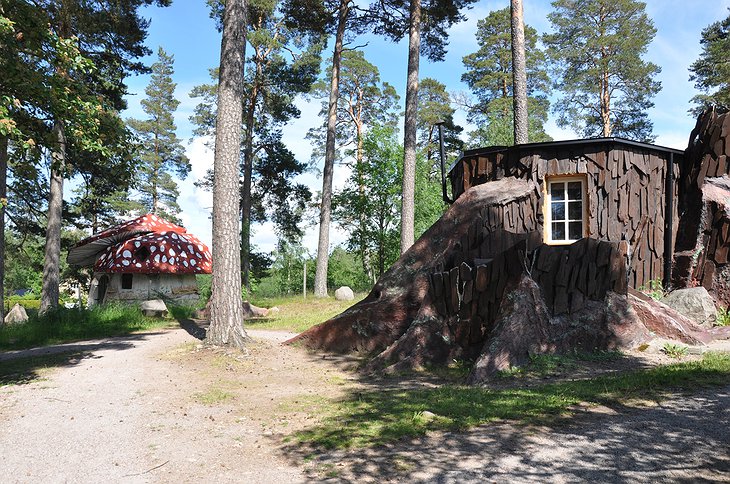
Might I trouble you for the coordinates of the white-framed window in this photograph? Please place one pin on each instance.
(565, 209)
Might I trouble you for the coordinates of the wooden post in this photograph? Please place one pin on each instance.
(304, 286)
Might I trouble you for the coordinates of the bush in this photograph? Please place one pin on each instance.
(28, 302)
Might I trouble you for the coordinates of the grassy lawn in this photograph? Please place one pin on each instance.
(66, 325)
(378, 416)
(297, 314)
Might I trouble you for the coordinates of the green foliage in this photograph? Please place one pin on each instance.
(161, 154)
(62, 325)
(434, 106)
(674, 350)
(489, 75)
(654, 289)
(711, 72)
(286, 275)
(369, 205)
(596, 49)
(346, 269)
(380, 416)
(723, 317)
(429, 204)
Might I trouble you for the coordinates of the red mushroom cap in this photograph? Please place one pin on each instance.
(157, 253)
(86, 251)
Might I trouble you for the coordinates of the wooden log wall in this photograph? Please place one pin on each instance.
(585, 270)
(471, 294)
(625, 190)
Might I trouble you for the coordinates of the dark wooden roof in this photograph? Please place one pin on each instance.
(568, 144)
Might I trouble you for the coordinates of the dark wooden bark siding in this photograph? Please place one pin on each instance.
(625, 190)
(704, 229)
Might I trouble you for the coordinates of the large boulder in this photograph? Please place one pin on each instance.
(694, 303)
(154, 308)
(344, 293)
(16, 315)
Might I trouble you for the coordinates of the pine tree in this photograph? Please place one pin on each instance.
(519, 73)
(283, 64)
(364, 101)
(711, 72)
(489, 74)
(429, 21)
(226, 306)
(597, 48)
(434, 107)
(161, 154)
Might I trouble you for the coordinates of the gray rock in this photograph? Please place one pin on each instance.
(154, 308)
(694, 303)
(16, 315)
(344, 294)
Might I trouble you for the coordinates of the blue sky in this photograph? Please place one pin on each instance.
(186, 31)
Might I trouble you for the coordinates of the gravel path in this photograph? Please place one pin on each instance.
(124, 413)
(125, 410)
(681, 440)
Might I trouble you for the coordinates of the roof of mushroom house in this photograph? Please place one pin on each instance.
(86, 251)
(156, 253)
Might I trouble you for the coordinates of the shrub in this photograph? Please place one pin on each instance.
(674, 350)
(723, 317)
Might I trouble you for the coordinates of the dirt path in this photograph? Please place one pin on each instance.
(159, 407)
(134, 410)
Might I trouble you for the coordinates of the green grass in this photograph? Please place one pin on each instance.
(64, 325)
(25, 370)
(214, 396)
(380, 416)
(723, 317)
(297, 314)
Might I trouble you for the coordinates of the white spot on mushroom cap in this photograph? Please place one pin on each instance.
(126, 254)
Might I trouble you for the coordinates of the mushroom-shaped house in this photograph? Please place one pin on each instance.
(145, 258)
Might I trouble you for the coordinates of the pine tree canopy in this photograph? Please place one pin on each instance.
(160, 152)
(489, 75)
(596, 48)
(711, 72)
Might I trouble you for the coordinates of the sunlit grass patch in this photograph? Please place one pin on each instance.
(298, 314)
(63, 325)
(375, 417)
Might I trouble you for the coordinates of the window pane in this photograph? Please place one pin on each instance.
(127, 281)
(574, 191)
(575, 230)
(557, 211)
(558, 230)
(575, 210)
(557, 191)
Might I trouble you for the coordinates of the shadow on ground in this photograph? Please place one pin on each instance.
(24, 370)
(685, 438)
(197, 328)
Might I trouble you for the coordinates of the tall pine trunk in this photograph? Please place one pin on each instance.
(325, 213)
(519, 73)
(3, 202)
(226, 306)
(52, 257)
(246, 194)
(407, 218)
